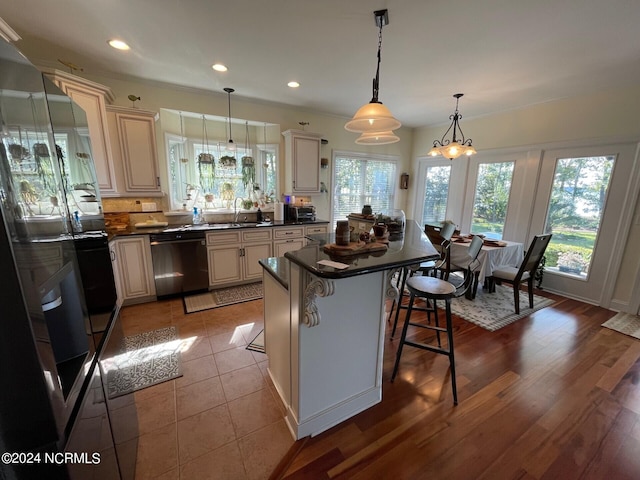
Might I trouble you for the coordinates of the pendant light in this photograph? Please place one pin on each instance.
(230, 145)
(455, 147)
(374, 116)
(377, 138)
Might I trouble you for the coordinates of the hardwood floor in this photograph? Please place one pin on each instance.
(552, 396)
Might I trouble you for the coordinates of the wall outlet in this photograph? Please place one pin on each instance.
(149, 207)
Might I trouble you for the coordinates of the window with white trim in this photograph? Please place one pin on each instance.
(362, 179)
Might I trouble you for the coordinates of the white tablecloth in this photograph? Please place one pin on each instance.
(490, 258)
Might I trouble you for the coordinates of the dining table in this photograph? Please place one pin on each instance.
(493, 254)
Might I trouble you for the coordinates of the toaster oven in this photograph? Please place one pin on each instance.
(295, 214)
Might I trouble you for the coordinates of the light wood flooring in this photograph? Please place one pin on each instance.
(552, 396)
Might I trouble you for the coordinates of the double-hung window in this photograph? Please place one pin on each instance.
(362, 179)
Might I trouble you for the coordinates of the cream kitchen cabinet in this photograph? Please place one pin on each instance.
(93, 99)
(132, 133)
(133, 269)
(315, 229)
(286, 239)
(233, 255)
(302, 161)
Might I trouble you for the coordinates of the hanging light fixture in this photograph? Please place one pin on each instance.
(374, 116)
(455, 147)
(377, 138)
(230, 145)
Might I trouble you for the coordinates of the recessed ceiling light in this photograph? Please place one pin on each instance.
(119, 44)
(218, 67)
(293, 84)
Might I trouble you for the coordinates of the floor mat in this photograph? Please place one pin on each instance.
(146, 359)
(257, 344)
(493, 311)
(223, 297)
(624, 323)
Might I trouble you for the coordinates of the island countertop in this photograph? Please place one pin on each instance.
(411, 248)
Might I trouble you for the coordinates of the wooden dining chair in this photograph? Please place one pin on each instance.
(440, 237)
(474, 250)
(525, 272)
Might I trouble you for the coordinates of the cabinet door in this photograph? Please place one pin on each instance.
(137, 141)
(306, 165)
(302, 161)
(281, 247)
(251, 254)
(224, 265)
(135, 272)
(93, 103)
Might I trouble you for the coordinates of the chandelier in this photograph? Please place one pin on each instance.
(455, 147)
(374, 117)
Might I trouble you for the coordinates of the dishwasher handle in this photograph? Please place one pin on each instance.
(201, 241)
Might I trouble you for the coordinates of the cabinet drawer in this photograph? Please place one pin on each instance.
(282, 233)
(256, 235)
(317, 229)
(223, 238)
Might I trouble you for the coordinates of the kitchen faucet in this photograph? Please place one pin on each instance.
(236, 212)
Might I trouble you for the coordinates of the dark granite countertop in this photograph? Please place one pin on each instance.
(413, 247)
(278, 268)
(211, 227)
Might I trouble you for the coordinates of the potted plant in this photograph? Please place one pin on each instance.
(227, 161)
(571, 262)
(248, 171)
(206, 173)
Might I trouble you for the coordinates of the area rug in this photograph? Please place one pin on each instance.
(624, 323)
(257, 344)
(223, 297)
(146, 359)
(493, 311)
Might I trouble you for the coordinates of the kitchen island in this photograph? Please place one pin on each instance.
(324, 326)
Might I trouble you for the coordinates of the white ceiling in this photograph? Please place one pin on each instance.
(502, 54)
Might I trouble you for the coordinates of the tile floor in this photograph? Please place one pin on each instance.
(221, 420)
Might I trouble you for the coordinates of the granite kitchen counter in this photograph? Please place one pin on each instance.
(407, 249)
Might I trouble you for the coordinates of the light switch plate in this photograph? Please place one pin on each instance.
(149, 207)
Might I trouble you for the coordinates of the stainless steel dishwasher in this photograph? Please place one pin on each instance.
(179, 262)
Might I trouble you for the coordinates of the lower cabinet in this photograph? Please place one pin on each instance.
(133, 269)
(287, 239)
(233, 256)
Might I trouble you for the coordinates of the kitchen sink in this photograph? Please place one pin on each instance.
(217, 226)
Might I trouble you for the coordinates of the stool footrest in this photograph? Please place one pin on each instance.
(431, 348)
(428, 327)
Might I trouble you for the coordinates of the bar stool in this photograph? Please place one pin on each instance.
(433, 289)
(440, 237)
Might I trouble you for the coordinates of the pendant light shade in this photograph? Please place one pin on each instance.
(455, 147)
(377, 138)
(374, 116)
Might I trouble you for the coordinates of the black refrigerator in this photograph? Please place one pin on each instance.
(57, 299)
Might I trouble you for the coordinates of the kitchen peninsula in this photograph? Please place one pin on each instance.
(324, 327)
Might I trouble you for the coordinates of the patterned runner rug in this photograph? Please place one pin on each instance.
(222, 297)
(493, 311)
(625, 323)
(146, 359)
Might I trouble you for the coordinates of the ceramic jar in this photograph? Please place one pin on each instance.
(342, 232)
(367, 210)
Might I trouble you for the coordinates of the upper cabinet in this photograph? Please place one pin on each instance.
(133, 143)
(302, 161)
(123, 140)
(92, 98)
